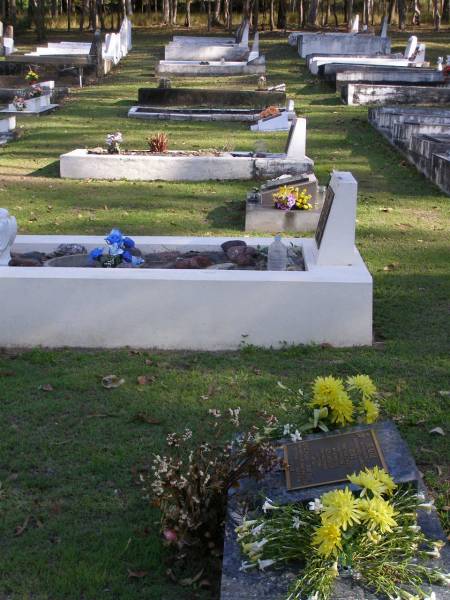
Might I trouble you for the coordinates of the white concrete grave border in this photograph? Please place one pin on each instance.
(80, 164)
(182, 309)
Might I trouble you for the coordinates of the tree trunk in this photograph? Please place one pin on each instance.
(255, 15)
(336, 22)
(166, 12)
(174, 12)
(436, 15)
(69, 14)
(12, 12)
(272, 15)
(282, 15)
(349, 12)
(187, 18)
(38, 11)
(217, 9)
(391, 11)
(312, 14)
(401, 7)
(300, 13)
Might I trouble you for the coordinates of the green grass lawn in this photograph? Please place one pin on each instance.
(73, 521)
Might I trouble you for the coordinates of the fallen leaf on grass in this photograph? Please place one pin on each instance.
(7, 373)
(144, 418)
(191, 580)
(137, 574)
(386, 209)
(146, 379)
(149, 362)
(46, 387)
(20, 529)
(112, 381)
(391, 266)
(437, 430)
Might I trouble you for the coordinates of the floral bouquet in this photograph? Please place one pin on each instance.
(117, 252)
(290, 198)
(35, 91)
(31, 76)
(270, 111)
(19, 103)
(370, 536)
(113, 141)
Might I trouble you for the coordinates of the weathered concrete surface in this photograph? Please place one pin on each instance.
(211, 98)
(341, 43)
(366, 93)
(344, 74)
(422, 135)
(354, 59)
(232, 52)
(212, 68)
(79, 164)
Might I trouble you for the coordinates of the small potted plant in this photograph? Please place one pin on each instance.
(117, 252)
(113, 141)
(158, 143)
(291, 198)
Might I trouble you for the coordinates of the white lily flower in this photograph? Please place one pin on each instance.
(427, 506)
(296, 436)
(415, 528)
(255, 547)
(257, 530)
(296, 522)
(434, 553)
(314, 596)
(263, 564)
(432, 596)
(420, 496)
(268, 505)
(287, 429)
(245, 566)
(316, 505)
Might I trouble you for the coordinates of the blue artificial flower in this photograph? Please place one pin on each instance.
(96, 253)
(128, 242)
(115, 237)
(136, 261)
(115, 249)
(127, 257)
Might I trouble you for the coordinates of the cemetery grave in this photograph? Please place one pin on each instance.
(179, 165)
(422, 135)
(7, 129)
(81, 428)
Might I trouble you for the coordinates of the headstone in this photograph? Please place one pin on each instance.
(355, 24)
(384, 28)
(245, 34)
(296, 142)
(419, 56)
(254, 53)
(8, 45)
(9, 31)
(411, 47)
(335, 233)
(8, 231)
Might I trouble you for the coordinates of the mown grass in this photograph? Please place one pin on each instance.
(69, 456)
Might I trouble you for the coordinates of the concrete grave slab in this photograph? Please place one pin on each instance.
(363, 93)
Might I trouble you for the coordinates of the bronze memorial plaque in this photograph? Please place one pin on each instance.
(324, 214)
(330, 459)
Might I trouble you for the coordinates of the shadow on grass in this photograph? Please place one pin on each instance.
(50, 170)
(230, 215)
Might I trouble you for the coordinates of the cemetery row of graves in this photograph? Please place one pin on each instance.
(249, 415)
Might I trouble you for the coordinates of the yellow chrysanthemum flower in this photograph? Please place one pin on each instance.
(363, 384)
(328, 539)
(341, 409)
(368, 482)
(325, 389)
(374, 480)
(378, 514)
(372, 411)
(340, 507)
(385, 479)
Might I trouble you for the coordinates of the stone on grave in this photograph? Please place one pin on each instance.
(8, 231)
(345, 450)
(296, 143)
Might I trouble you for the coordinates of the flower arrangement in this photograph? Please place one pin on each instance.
(113, 141)
(190, 484)
(19, 103)
(35, 91)
(31, 76)
(117, 252)
(270, 111)
(291, 198)
(334, 403)
(158, 143)
(371, 536)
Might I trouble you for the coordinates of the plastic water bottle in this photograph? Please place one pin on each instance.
(277, 255)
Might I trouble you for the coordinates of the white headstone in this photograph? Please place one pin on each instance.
(8, 46)
(355, 24)
(245, 34)
(1, 29)
(335, 233)
(419, 56)
(440, 63)
(8, 231)
(290, 106)
(410, 47)
(384, 28)
(255, 48)
(7, 125)
(296, 146)
(278, 123)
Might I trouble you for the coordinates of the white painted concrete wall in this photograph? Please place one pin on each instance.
(181, 309)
